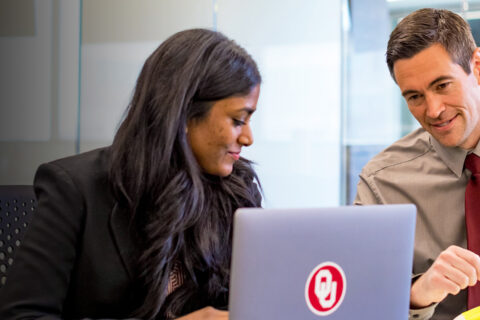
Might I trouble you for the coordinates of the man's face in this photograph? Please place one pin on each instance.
(441, 96)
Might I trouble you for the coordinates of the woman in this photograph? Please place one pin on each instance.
(143, 228)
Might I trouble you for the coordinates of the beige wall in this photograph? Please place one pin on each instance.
(139, 21)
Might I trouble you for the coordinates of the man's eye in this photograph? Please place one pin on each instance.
(442, 86)
(413, 97)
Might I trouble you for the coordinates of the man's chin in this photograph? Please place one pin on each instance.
(448, 142)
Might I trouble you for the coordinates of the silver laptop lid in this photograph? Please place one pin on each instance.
(350, 262)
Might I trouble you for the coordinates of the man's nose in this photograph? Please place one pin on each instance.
(434, 106)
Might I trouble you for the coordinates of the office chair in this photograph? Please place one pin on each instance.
(17, 204)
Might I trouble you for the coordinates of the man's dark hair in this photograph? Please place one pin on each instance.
(425, 27)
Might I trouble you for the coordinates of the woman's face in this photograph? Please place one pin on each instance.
(217, 139)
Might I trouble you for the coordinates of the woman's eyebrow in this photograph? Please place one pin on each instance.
(248, 110)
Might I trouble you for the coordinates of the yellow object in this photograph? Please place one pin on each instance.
(472, 314)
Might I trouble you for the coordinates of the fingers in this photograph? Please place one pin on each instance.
(449, 280)
(454, 269)
(472, 258)
(458, 265)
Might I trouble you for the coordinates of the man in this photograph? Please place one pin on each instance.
(433, 59)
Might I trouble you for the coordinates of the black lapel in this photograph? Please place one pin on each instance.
(122, 235)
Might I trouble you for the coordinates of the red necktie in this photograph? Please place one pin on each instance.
(472, 219)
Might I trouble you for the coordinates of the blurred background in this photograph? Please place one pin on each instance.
(327, 102)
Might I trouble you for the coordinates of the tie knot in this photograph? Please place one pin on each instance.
(472, 163)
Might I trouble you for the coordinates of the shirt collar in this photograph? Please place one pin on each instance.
(476, 150)
(453, 157)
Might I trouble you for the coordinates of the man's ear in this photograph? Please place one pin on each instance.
(476, 64)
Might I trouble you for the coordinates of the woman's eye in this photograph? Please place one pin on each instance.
(237, 122)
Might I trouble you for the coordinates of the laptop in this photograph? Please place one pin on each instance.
(351, 262)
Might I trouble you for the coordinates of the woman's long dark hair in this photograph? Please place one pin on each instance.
(181, 214)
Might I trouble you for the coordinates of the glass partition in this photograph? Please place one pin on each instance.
(297, 126)
(327, 103)
(39, 43)
(117, 38)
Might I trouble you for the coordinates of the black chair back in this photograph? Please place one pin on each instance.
(17, 204)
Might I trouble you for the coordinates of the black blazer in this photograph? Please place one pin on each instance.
(77, 257)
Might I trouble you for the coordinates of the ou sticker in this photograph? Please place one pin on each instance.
(325, 288)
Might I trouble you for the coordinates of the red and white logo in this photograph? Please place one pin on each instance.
(325, 288)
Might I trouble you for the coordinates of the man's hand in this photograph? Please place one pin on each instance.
(454, 269)
(207, 313)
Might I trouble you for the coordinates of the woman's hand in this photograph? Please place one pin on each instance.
(207, 313)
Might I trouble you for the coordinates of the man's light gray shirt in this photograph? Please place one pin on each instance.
(418, 169)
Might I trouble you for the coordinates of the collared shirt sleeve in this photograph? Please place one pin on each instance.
(366, 193)
(422, 314)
